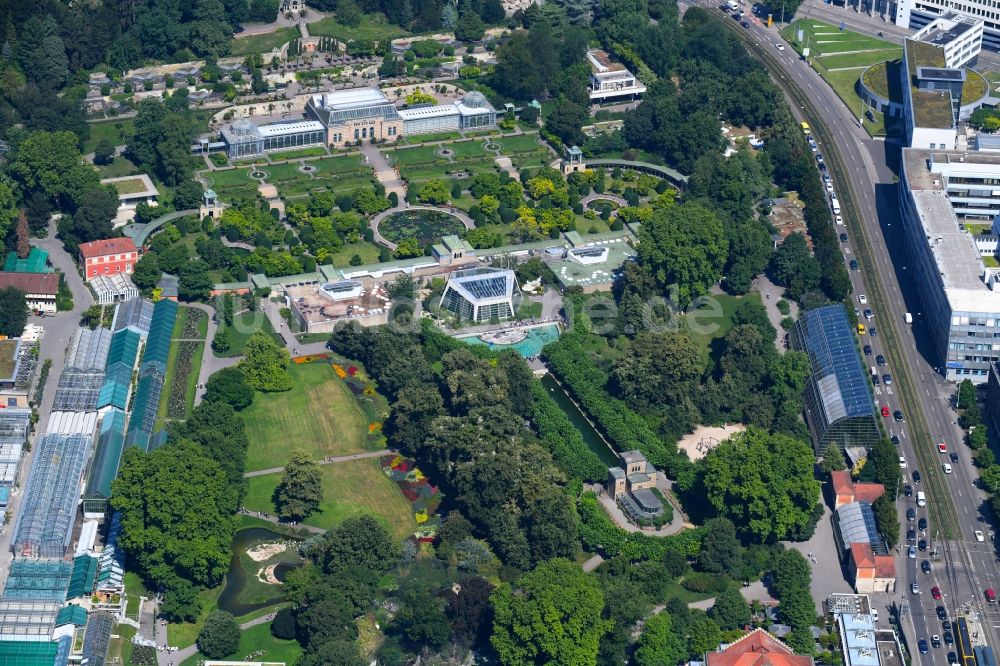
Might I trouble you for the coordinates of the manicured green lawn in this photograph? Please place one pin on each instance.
(319, 415)
(341, 164)
(246, 324)
(824, 38)
(119, 167)
(314, 151)
(372, 26)
(533, 159)
(468, 149)
(416, 155)
(116, 131)
(352, 488)
(522, 143)
(133, 590)
(367, 251)
(864, 59)
(184, 633)
(264, 43)
(713, 320)
(258, 639)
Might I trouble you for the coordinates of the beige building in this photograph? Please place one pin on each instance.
(356, 115)
(631, 486)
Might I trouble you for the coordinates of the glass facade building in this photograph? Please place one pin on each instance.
(838, 401)
(481, 294)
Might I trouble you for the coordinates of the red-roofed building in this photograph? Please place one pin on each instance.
(111, 256)
(40, 289)
(871, 572)
(846, 491)
(758, 648)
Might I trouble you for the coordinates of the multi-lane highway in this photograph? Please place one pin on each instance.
(863, 177)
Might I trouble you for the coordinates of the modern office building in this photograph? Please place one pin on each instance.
(946, 199)
(610, 80)
(343, 117)
(838, 401)
(960, 36)
(481, 294)
(917, 14)
(932, 96)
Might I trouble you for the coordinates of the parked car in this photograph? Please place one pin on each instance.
(868, 313)
(911, 534)
(843, 238)
(908, 491)
(979, 535)
(862, 299)
(948, 638)
(922, 523)
(911, 514)
(912, 554)
(942, 613)
(745, 24)
(887, 379)
(922, 545)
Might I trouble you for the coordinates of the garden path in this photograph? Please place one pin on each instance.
(594, 196)
(330, 460)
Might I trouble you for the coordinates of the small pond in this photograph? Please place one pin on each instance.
(427, 226)
(246, 587)
(530, 346)
(591, 437)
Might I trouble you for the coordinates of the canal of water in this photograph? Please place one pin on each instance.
(591, 437)
(236, 578)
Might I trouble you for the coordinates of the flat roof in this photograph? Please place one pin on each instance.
(931, 108)
(946, 28)
(954, 249)
(340, 100)
(428, 112)
(600, 62)
(282, 129)
(139, 185)
(572, 273)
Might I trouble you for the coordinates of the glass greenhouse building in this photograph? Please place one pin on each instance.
(481, 294)
(838, 401)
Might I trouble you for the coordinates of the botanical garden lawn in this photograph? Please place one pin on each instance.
(369, 28)
(313, 151)
(245, 324)
(319, 415)
(256, 639)
(262, 43)
(368, 252)
(351, 488)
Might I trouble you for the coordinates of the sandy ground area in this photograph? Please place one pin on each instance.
(701, 441)
(265, 551)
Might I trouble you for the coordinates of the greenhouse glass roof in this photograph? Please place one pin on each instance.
(28, 653)
(97, 638)
(88, 350)
(161, 330)
(81, 582)
(37, 580)
(136, 313)
(72, 614)
(828, 339)
(108, 454)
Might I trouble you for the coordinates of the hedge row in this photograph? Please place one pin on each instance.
(569, 452)
(599, 534)
(626, 429)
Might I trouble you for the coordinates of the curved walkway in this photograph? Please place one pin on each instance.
(594, 196)
(379, 238)
(140, 232)
(666, 172)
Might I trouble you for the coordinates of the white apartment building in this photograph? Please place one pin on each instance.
(960, 36)
(610, 80)
(917, 14)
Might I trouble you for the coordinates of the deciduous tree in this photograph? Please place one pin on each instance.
(265, 364)
(219, 636)
(13, 312)
(301, 489)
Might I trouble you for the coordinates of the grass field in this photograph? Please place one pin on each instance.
(351, 488)
(713, 320)
(262, 43)
(368, 252)
(246, 324)
(319, 415)
(340, 165)
(315, 151)
(416, 155)
(118, 168)
(116, 131)
(369, 28)
(258, 639)
(850, 53)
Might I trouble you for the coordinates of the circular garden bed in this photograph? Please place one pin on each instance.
(601, 204)
(427, 226)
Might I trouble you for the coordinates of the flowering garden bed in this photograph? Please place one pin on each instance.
(177, 401)
(418, 491)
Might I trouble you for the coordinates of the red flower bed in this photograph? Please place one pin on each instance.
(352, 371)
(410, 494)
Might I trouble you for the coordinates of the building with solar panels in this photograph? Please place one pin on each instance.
(481, 294)
(838, 402)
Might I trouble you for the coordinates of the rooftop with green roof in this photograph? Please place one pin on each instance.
(931, 108)
(37, 261)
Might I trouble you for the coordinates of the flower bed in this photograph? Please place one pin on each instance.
(311, 358)
(177, 400)
(192, 324)
(418, 491)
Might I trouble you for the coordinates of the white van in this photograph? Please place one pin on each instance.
(835, 204)
(907, 317)
(921, 499)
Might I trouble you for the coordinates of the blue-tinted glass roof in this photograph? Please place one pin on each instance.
(829, 340)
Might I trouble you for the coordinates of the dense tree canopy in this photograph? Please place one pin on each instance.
(13, 312)
(265, 363)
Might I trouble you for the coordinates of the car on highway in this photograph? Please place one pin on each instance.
(872, 332)
(922, 643)
(911, 514)
(745, 24)
(991, 596)
(912, 554)
(979, 535)
(898, 415)
(874, 380)
(885, 412)
(953, 457)
(911, 534)
(946, 467)
(925, 566)
(862, 299)
(880, 360)
(948, 638)
(829, 188)
(895, 440)
(942, 447)
(843, 238)
(936, 593)
(922, 523)
(942, 613)
(839, 219)
(780, 47)
(887, 379)
(935, 641)
(908, 491)
(922, 545)
(868, 313)
(854, 264)
(868, 350)
(861, 329)
(916, 476)
(952, 658)
(826, 178)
